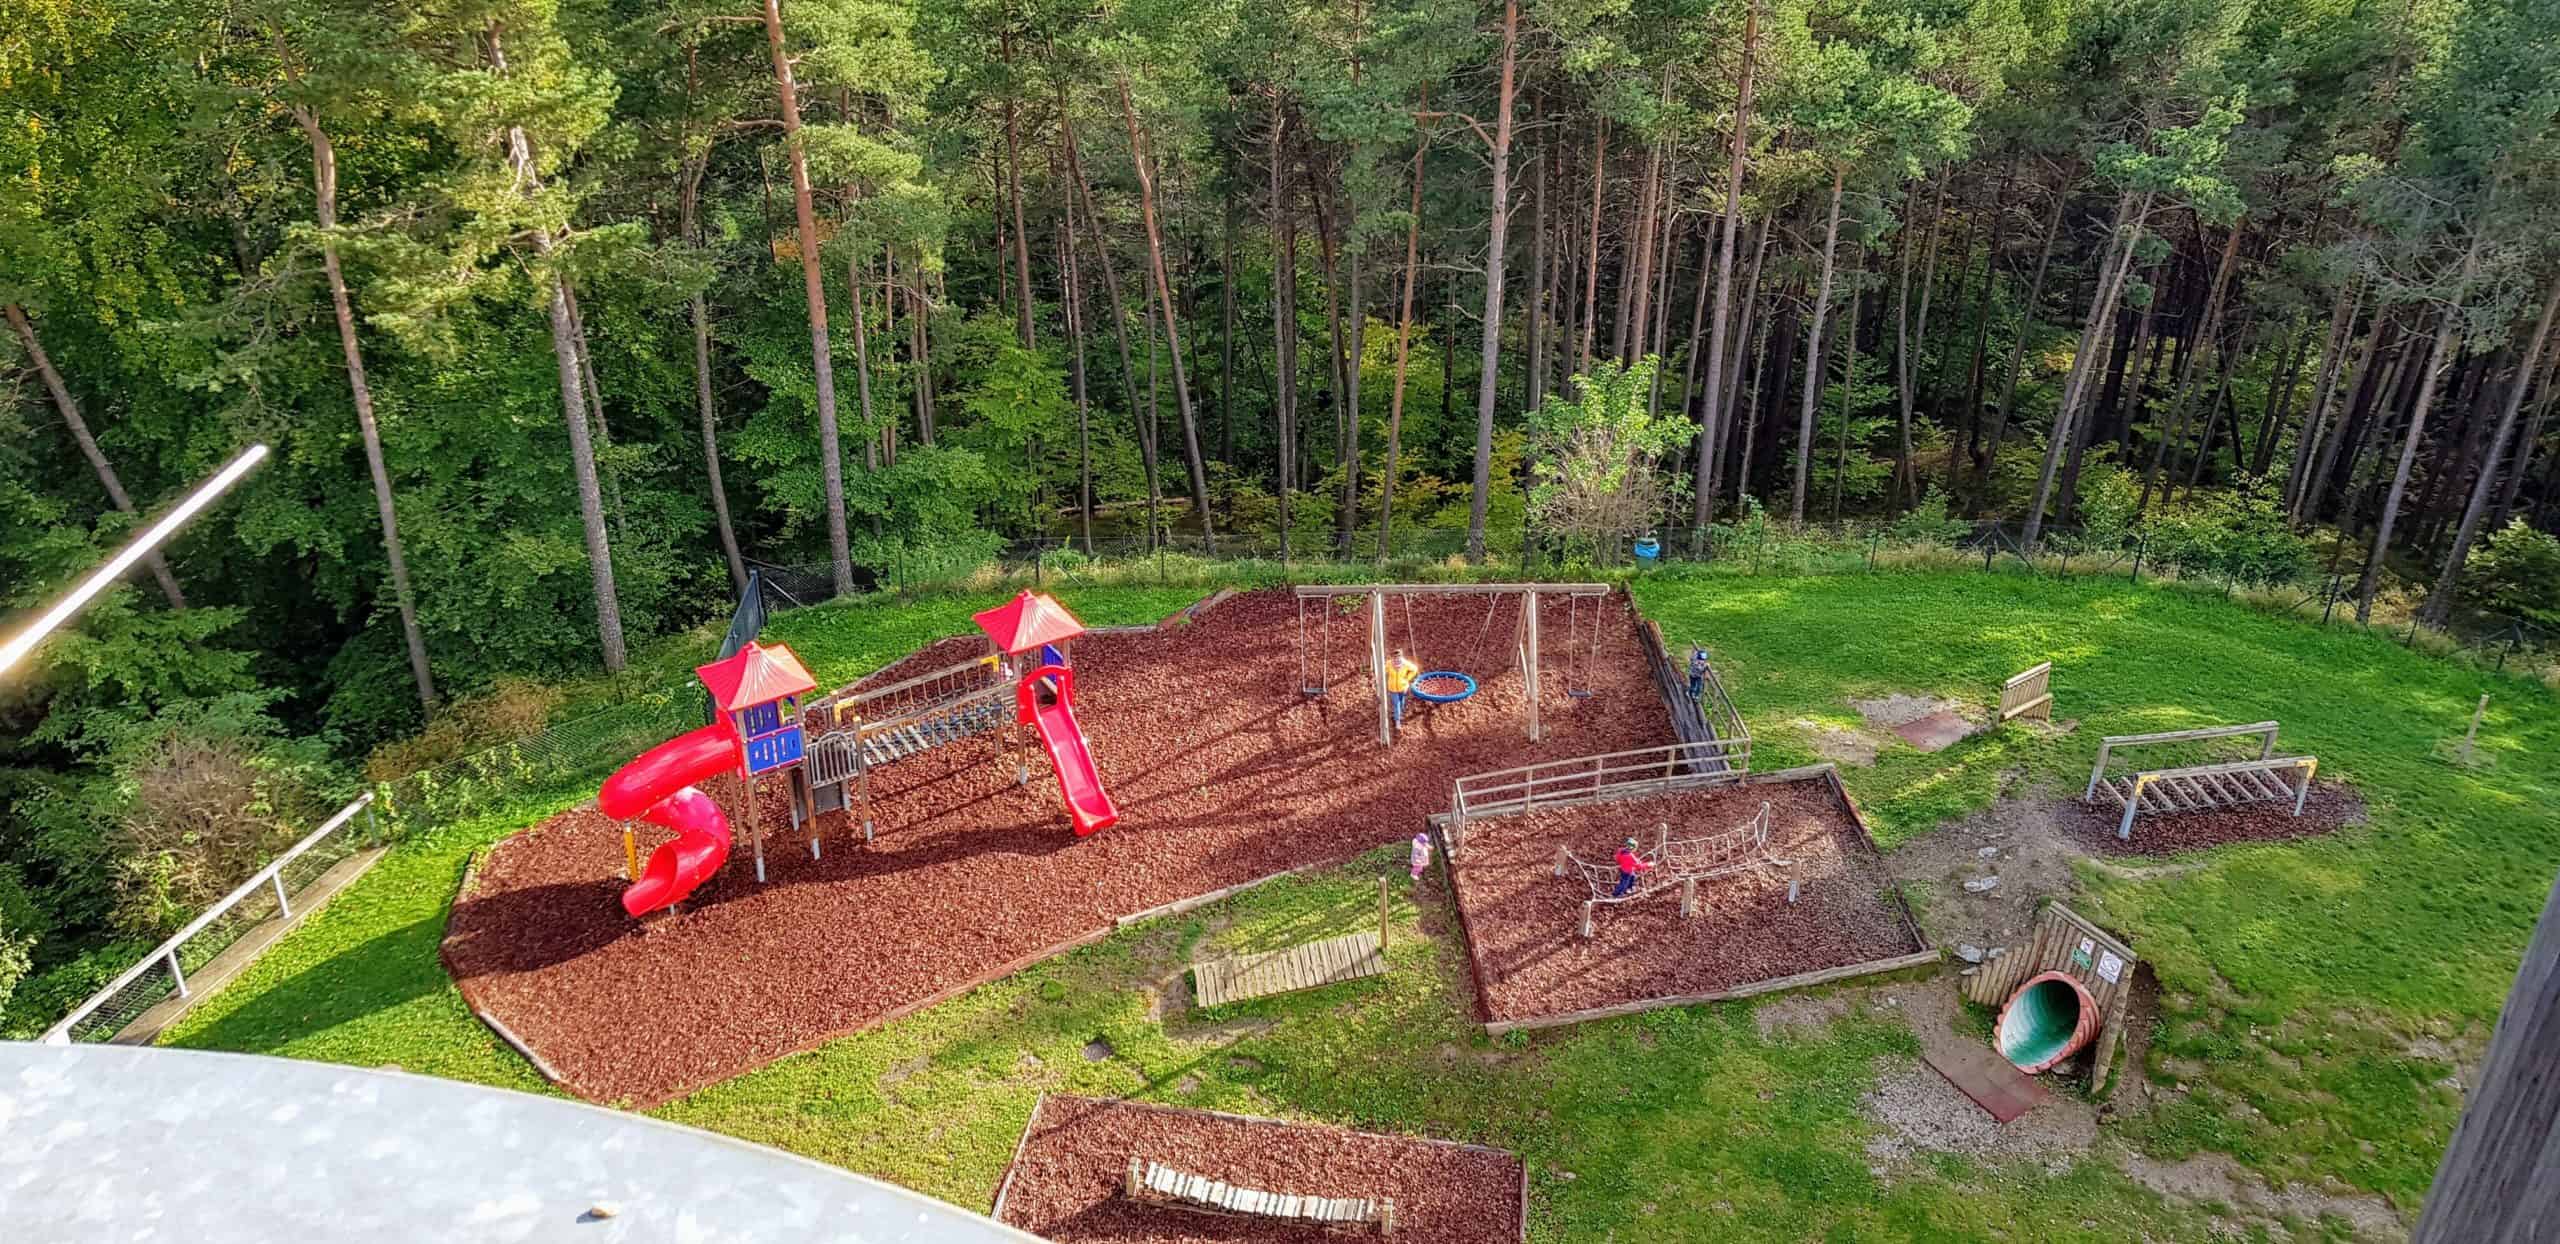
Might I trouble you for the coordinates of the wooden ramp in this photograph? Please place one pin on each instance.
(1216, 982)
(1990, 1080)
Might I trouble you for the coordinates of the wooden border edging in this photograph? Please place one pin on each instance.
(1822, 976)
(1021, 1143)
(516, 1043)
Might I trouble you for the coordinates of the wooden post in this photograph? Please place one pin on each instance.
(1560, 858)
(2124, 828)
(1382, 918)
(2097, 771)
(630, 854)
(1134, 1183)
(2302, 795)
(2472, 735)
(1530, 602)
(2499, 1182)
(1689, 896)
(1587, 907)
(1378, 664)
(755, 826)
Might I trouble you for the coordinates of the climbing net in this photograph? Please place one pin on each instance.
(1679, 861)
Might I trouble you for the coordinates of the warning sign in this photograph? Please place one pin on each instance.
(2080, 954)
(2110, 967)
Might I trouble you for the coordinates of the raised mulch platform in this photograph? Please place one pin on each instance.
(1522, 922)
(2332, 806)
(1066, 1182)
(1223, 772)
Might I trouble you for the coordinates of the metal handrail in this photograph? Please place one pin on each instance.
(167, 952)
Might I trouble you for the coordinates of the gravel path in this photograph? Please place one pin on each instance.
(1522, 920)
(1066, 1185)
(1222, 771)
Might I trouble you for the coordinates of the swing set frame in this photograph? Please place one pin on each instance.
(1582, 641)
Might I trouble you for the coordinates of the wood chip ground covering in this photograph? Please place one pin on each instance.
(1067, 1184)
(1222, 771)
(2332, 806)
(1522, 921)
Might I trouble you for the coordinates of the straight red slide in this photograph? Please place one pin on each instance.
(1088, 805)
(658, 788)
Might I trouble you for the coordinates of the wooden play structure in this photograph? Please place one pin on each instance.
(2198, 788)
(1027, 680)
(2071, 979)
(1156, 1183)
(1318, 602)
(855, 730)
(2028, 693)
(1307, 965)
(1679, 863)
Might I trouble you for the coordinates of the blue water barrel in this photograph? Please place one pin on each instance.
(1648, 549)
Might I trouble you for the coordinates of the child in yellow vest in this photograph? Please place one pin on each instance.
(1401, 673)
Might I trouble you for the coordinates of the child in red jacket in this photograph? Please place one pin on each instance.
(1630, 866)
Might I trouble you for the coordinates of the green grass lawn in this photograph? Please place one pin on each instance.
(2311, 990)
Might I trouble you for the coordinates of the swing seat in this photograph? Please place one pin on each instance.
(1452, 687)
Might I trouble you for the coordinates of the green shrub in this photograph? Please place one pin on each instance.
(2516, 571)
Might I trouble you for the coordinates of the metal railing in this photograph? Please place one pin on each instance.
(1584, 779)
(164, 970)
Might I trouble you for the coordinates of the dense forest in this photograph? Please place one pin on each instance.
(557, 312)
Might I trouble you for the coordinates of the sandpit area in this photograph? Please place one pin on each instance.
(1067, 1180)
(1522, 921)
(1224, 774)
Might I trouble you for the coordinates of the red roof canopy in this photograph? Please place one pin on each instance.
(756, 675)
(1028, 621)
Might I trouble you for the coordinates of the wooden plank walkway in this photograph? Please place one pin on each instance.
(1154, 1180)
(1215, 982)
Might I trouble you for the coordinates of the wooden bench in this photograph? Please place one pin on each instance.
(1156, 1183)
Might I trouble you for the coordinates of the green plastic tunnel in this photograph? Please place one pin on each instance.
(2046, 1021)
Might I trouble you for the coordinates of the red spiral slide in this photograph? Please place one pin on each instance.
(1054, 716)
(658, 788)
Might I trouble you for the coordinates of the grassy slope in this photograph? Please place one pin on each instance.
(2296, 977)
(1687, 1125)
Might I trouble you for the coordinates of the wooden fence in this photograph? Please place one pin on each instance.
(2065, 941)
(1586, 779)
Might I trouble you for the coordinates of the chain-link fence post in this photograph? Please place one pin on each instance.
(1874, 537)
(2329, 606)
(2515, 635)
(2141, 545)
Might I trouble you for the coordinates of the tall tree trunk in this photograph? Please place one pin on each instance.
(2525, 447)
(1073, 288)
(1704, 502)
(2315, 417)
(2207, 335)
(2117, 263)
(2440, 604)
(1227, 334)
(1982, 327)
(1848, 387)
(1404, 352)
(1013, 192)
(1641, 282)
(324, 178)
(1497, 229)
(813, 284)
(1138, 156)
(2027, 312)
(1083, 194)
(1537, 308)
(70, 412)
(1813, 347)
(1591, 252)
(573, 401)
(2287, 378)
(1284, 326)
(2448, 332)
(688, 210)
(2353, 416)
(1742, 333)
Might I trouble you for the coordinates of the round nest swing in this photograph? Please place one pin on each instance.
(1443, 687)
